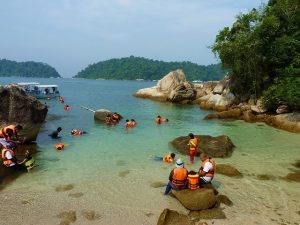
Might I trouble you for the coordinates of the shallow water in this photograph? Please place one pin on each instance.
(111, 168)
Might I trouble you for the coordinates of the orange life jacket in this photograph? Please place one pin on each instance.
(67, 108)
(8, 162)
(76, 132)
(168, 159)
(193, 182)
(179, 176)
(59, 146)
(193, 144)
(211, 172)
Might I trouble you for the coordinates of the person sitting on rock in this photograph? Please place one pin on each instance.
(207, 169)
(28, 161)
(193, 143)
(167, 158)
(193, 180)
(11, 132)
(55, 133)
(177, 178)
(9, 157)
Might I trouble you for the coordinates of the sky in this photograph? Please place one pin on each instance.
(71, 34)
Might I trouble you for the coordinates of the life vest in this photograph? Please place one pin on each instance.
(193, 144)
(211, 172)
(59, 146)
(76, 132)
(168, 159)
(8, 162)
(67, 108)
(179, 176)
(193, 182)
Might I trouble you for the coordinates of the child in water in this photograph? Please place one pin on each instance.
(168, 158)
(28, 161)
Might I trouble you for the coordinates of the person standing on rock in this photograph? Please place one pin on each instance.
(177, 178)
(193, 142)
(207, 169)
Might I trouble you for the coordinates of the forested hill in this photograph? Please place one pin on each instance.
(131, 68)
(10, 68)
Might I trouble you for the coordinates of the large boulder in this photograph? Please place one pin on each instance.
(219, 147)
(19, 107)
(207, 214)
(198, 199)
(258, 108)
(100, 114)
(173, 87)
(282, 109)
(172, 217)
(288, 121)
(228, 170)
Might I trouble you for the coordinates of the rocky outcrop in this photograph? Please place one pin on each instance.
(100, 114)
(172, 217)
(219, 147)
(228, 170)
(207, 214)
(199, 199)
(19, 107)
(173, 87)
(282, 109)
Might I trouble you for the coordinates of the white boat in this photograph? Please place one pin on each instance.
(40, 91)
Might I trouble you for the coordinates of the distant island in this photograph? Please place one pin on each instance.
(9, 68)
(132, 68)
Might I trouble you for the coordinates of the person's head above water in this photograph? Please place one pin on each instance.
(159, 117)
(59, 129)
(173, 155)
(191, 135)
(132, 120)
(127, 120)
(167, 120)
(108, 116)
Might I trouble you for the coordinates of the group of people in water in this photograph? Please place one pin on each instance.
(9, 140)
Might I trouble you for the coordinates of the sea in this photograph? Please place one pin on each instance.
(108, 175)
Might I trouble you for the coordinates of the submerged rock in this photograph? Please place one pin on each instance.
(228, 170)
(208, 214)
(199, 199)
(173, 87)
(219, 147)
(19, 107)
(297, 164)
(172, 217)
(295, 176)
(67, 217)
(100, 114)
(265, 177)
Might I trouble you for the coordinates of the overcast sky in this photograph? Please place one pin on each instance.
(70, 34)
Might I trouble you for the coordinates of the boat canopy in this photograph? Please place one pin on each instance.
(27, 83)
(47, 86)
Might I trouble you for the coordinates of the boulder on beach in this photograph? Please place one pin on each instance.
(199, 199)
(295, 176)
(173, 87)
(172, 217)
(219, 147)
(19, 107)
(228, 170)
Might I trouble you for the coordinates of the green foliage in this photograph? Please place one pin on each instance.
(10, 68)
(131, 68)
(262, 49)
(286, 92)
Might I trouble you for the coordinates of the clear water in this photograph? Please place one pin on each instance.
(112, 168)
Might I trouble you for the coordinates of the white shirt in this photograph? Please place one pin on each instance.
(207, 167)
(9, 156)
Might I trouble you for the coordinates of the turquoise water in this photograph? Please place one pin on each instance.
(111, 166)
